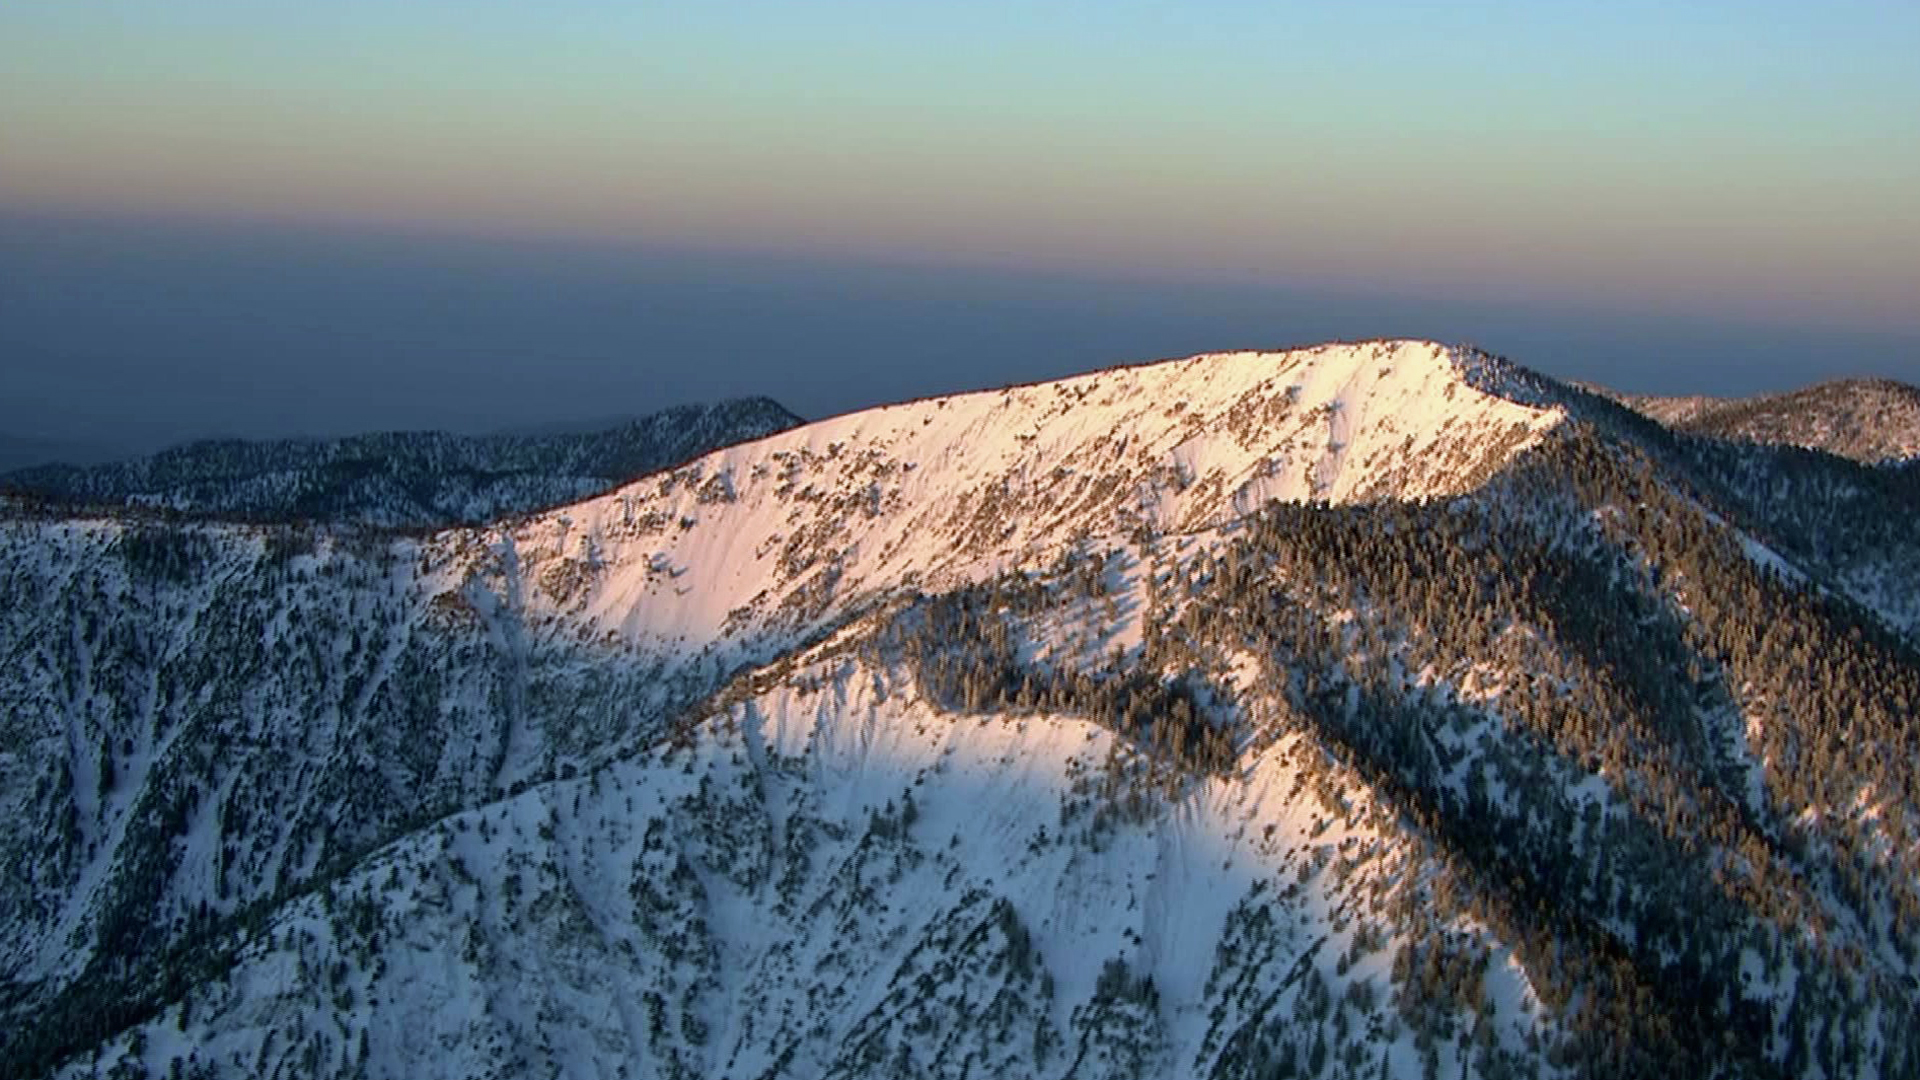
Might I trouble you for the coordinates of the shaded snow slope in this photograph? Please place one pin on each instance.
(834, 879)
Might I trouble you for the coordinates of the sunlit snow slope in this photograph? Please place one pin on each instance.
(953, 489)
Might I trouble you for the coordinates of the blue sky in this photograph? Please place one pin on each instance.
(1755, 163)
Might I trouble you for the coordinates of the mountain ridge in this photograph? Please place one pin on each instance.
(412, 479)
(1870, 420)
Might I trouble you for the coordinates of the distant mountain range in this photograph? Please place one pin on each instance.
(1372, 709)
(403, 479)
(1870, 420)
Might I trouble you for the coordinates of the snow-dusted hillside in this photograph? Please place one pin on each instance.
(1376, 708)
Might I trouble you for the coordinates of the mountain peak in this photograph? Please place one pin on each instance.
(955, 488)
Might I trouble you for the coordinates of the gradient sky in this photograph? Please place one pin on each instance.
(1754, 162)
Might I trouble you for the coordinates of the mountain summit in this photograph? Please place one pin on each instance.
(1376, 708)
(955, 488)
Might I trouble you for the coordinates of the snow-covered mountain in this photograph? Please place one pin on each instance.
(412, 479)
(1372, 708)
(1869, 420)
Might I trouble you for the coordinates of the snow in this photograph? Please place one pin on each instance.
(478, 981)
(938, 492)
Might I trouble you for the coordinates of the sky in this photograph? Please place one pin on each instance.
(263, 217)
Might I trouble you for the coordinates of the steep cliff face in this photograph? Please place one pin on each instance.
(1374, 707)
